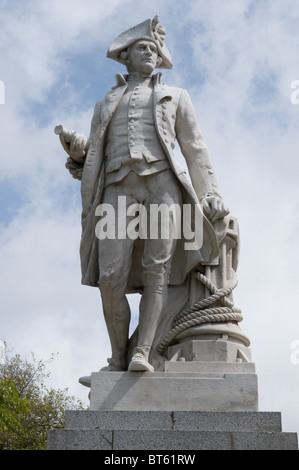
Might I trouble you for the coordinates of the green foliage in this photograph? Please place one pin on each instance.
(28, 409)
(10, 408)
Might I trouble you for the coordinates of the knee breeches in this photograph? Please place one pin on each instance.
(141, 196)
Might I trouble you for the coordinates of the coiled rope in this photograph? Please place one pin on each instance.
(199, 313)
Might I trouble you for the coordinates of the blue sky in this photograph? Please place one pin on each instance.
(237, 59)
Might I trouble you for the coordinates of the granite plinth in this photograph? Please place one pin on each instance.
(192, 405)
(162, 430)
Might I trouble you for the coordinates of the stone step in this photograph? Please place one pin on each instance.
(130, 440)
(177, 420)
(179, 430)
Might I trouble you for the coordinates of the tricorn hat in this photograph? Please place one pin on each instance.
(151, 30)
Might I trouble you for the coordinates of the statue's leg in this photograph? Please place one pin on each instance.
(115, 262)
(151, 305)
(156, 263)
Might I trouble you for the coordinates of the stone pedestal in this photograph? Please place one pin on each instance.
(205, 398)
(184, 386)
(171, 431)
(192, 405)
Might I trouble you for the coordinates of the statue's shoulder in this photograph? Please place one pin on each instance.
(98, 107)
(173, 89)
(160, 85)
(176, 93)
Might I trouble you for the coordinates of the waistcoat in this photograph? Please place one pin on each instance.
(132, 141)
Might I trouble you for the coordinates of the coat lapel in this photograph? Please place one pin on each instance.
(110, 104)
(112, 99)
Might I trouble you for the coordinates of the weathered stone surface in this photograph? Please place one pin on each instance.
(174, 391)
(79, 439)
(174, 420)
(116, 430)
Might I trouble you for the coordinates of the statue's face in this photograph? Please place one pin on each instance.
(143, 56)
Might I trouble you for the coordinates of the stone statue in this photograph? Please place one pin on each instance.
(127, 169)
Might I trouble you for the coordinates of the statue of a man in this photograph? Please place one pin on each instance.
(129, 154)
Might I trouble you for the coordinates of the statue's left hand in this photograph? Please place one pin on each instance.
(214, 207)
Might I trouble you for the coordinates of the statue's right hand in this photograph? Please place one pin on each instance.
(74, 144)
(64, 143)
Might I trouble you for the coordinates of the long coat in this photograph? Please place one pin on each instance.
(175, 119)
